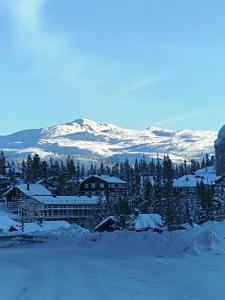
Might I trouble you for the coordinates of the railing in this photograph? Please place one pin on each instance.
(30, 210)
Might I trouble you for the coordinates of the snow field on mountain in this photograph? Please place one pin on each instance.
(85, 139)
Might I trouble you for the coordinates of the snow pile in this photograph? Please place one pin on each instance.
(3, 209)
(46, 226)
(7, 224)
(195, 240)
(147, 221)
(72, 235)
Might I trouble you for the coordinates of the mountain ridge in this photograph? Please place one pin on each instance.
(86, 139)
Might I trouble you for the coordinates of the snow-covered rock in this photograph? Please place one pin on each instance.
(220, 152)
(221, 134)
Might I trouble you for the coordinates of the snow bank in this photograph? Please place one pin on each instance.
(6, 224)
(46, 226)
(195, 240)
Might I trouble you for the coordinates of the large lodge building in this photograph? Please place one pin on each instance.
(34, 202)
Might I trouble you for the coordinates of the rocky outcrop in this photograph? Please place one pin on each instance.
(220, 152)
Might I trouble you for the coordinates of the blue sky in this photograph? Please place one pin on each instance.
(135, 63)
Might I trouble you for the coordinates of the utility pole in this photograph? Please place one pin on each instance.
(23, 217)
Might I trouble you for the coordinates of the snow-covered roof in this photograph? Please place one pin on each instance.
(34, 189)
(191, 181)
(82, 200)
(44, 196)
(108, 178)
(208, 170)
(112, 218)
(145, 221)
(81, 179)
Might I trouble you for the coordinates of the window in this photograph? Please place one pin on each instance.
(86, 186)
(113, 185)
(93, 185)
(102, 185)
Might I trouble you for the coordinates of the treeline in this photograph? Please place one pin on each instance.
(150, 186)
(33, 168)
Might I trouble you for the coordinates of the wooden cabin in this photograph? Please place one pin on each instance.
(109, 186)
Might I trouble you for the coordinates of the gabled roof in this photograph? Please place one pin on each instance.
(107, 178)
(44, 196)
(34, 190)
(109, 220)
(191, 181)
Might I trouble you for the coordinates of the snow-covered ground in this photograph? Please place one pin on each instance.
(76, 264)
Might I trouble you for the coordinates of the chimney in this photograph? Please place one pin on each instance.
(28, 186)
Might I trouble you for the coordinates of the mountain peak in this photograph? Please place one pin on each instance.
(87, 124)
(83, 121)
(85, 138)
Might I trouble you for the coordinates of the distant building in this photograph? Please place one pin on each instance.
(109, 186)
(141, 222)
(108, 224)
(189, 183)
(33, 202)
(187, 187)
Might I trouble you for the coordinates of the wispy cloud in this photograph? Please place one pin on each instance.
(54, 52)
(55, 55)
(146, 82)
(175, 119)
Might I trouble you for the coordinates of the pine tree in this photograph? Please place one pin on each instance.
(157, 190)
(70, 166)
(122, 210)
(36, 168)
(2, 163)
(44, 170)
(147, 204)
(205, 195)
(28, 174)
(170, 199)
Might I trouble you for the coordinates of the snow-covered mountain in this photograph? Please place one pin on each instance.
(90, 140)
